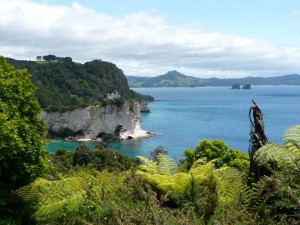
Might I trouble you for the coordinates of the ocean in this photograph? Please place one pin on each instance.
(181, 117)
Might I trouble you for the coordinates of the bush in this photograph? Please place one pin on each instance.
(218, 151)
(104, 158)
(61, 151)
(82, 156)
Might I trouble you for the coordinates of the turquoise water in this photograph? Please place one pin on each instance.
(184, 116)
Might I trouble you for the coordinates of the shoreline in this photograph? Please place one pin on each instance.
(147, 134)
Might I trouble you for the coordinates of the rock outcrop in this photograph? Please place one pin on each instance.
(93, 121)
(145, 107)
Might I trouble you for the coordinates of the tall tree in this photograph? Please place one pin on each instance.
(21, 128)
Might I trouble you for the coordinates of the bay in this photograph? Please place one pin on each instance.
(184, 116)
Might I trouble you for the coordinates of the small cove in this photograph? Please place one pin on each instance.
(184, 116)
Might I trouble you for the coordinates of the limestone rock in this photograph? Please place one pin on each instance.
(94, 120)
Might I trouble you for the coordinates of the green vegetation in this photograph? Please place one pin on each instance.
(102, 186)
(21, 129)
(217, 151)
(103, 158)
(22, 151)
(65, 85)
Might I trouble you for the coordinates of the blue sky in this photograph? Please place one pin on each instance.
(271, 20)
(211, 38)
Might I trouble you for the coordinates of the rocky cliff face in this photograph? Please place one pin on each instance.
(91, 122)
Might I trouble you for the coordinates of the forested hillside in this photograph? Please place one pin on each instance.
(66, 85)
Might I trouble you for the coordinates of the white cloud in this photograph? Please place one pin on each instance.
(141, 43)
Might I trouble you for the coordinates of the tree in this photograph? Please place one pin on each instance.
(82, 156)
(49, 57)
(218, 151)
(21, 132)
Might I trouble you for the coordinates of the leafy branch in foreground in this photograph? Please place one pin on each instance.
(21, 130)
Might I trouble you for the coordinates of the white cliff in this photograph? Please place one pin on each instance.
(94, 120)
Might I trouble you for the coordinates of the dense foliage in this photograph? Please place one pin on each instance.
(219, 152)
(21, 129)
(103, 158)
(161, 192)
(66, 85)
(21, 133)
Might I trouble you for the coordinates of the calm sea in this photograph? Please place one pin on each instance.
(184, 116)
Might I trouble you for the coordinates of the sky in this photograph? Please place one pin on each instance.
(201, 38)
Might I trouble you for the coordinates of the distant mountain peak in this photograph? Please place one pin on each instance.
(173, 71)
(173, 74)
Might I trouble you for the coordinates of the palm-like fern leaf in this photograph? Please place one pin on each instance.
(292, 134)
(231, 184)
(258, 195)
(70, 195)
(291, 138)
(275, 156)
(166, 165)
(149, 165)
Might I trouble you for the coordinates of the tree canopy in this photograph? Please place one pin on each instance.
(65, 85)
(21, 130)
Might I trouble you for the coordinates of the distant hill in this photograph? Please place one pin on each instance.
(176, 79)
(170, 79)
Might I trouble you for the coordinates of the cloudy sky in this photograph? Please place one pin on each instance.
(203, 38)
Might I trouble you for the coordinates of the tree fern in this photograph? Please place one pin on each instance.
(277, 194)
(149, 165)
(274, 156)
(292, 135)
(231, 184)
(166, 165)
(291, 138)
(167, 181)
(258, 195)
(72, 196)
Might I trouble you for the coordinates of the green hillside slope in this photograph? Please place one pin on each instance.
(66, 85)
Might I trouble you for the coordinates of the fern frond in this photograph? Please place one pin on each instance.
(292, 135)
(166, 165)
(26, 193)
(275, 156)
(258, 195)
(291, 138)
(231, 184)
(57, 200)
(150, 166)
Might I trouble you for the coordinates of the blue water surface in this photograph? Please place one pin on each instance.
(183, 116)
